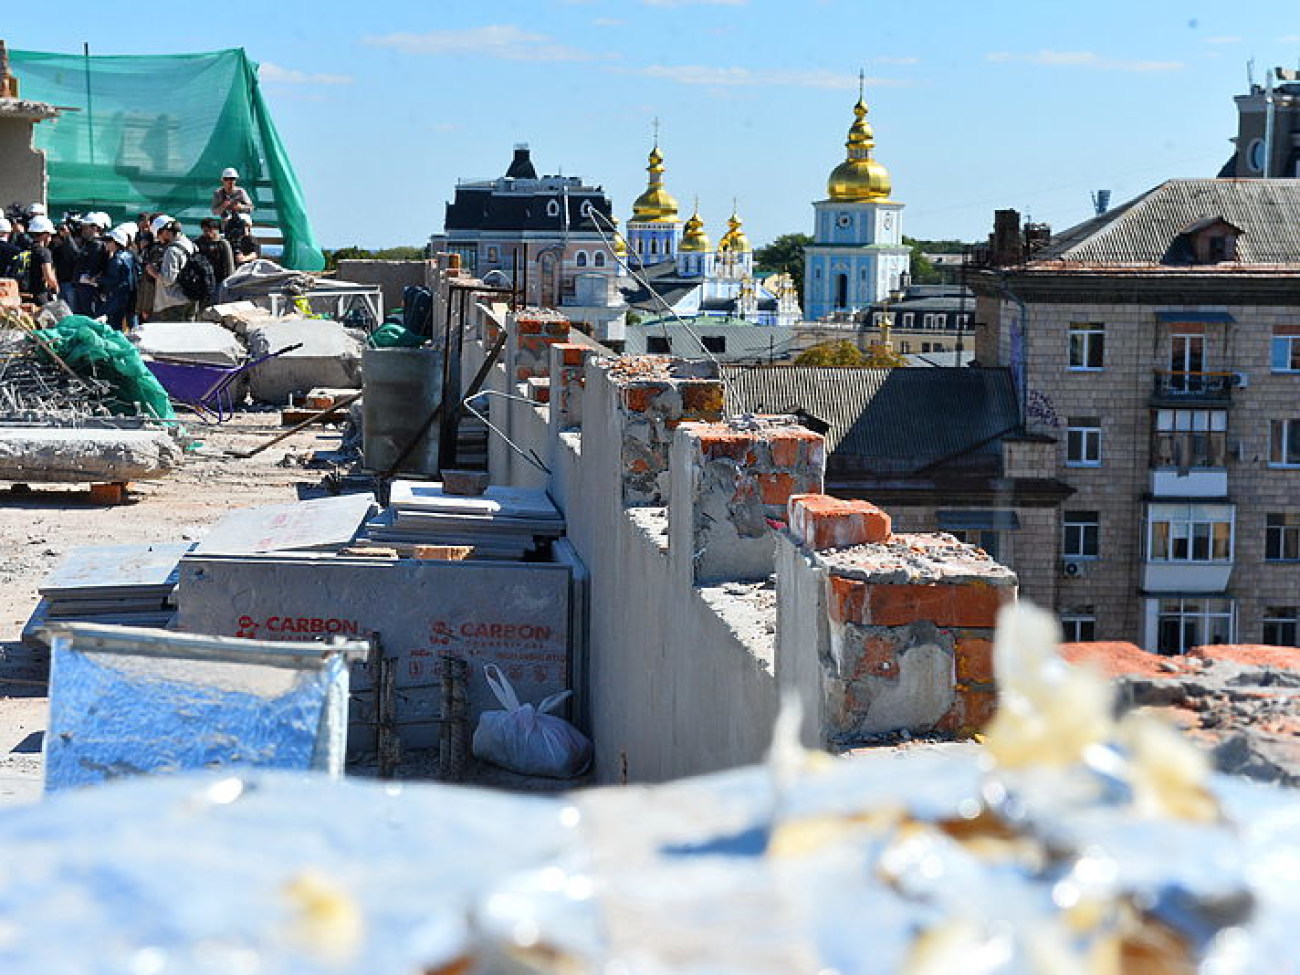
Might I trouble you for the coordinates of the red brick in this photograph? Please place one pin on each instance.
(974, 660)
(9, 293)
(639, 466)
(732, 446)
(114, 493)
(558, 328)
(528, 326)
(970, 712)
(786, 445)
(702, 400)
(522, 373)
(848, 600)
(823, 522)
(775, 488)
(879, 657)
(571, 354)
(533, 343)
(637, 398)
(973, 604)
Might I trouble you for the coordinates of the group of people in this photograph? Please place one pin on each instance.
(132, 272)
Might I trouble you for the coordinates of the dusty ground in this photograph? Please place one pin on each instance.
(38, 526)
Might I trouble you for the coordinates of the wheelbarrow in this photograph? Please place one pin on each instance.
(203, 387)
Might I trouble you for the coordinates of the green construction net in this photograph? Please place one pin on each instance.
(154, 132)
(95, 350)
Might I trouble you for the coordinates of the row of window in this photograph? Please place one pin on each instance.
(597, 259)
(1185, 533)
(660, 345)
(1183, 438)
(1087, 350)
(1184, 623)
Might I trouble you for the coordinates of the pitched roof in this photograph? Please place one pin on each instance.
(887, 420)
(1145, 230)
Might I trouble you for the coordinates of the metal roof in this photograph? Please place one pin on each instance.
(1145, 230)
(888, 420)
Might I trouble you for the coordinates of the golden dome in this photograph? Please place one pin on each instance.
(694, 238)
(656, 204)
(859, 177)
(734, 239)
(620, 245)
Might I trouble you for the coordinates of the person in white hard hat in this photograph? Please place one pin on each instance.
(9, 251)
(91, 258)
(117, 285)
(170, 303)
(230, 200)
(41, 283)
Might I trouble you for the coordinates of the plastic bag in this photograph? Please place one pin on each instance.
(528, 740)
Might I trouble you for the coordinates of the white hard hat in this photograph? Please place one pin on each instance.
(5, 225)
(129, 229)
(230, 172)
(160, 221)
(119, 236)
(40, 224)
(36, 209)
(99, 218)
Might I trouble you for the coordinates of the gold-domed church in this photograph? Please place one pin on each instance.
(686, 273)
(857, 255)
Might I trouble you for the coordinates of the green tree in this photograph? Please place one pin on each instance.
(784, 254)
(355, 253)
(841, 353)
(923, 269)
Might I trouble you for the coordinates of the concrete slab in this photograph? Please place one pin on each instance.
(320, 524)
(328, 357)
(80, 455)
(192, 341)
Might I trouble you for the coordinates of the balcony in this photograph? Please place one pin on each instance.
(1193, 482)
(1183, 388)
(1173, 577)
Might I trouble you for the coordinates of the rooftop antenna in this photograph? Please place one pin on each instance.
(862, 84)
(656, 129)
(1250, 74)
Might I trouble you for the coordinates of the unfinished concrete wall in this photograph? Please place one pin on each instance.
(903, 624)
(22, 175)
(703, 604)
(391, 276)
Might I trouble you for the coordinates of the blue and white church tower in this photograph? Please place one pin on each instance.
(654, 230)
(857, 255)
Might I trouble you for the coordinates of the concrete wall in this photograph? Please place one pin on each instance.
(703, 605)
(22, 175)
(391, 276)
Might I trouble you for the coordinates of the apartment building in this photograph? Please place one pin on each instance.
(1159, 345)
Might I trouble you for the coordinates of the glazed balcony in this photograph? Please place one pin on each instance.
(1183, 388)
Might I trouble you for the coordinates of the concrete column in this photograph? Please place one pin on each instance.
(880, 632)
(731, 482)
(648, 397)
(568, 377)
(531, 333)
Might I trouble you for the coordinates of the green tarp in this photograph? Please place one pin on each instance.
(154, 132)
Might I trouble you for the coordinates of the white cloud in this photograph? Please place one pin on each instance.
(1084, 59)
(1290, 39)
(273, 74)
(696, 74)
(1223, 39)
(505, 42)
(608, 22)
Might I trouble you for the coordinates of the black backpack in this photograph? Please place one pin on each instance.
(198, 279)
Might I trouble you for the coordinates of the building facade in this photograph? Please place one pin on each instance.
(538, 230)
(1159, 345)
(857, 256)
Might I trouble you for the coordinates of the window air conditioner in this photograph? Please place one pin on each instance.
(1074, 568)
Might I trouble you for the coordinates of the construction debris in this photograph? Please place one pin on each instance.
(72, 455)
(502, 523)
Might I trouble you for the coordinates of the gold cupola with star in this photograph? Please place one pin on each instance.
(656, 204)
(859, 177)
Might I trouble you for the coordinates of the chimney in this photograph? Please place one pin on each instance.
(521, 167)
(1005, 243)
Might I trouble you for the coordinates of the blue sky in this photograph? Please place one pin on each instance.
(976, 106)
